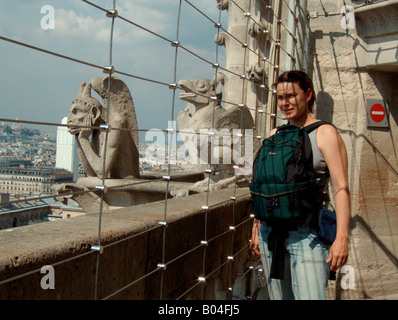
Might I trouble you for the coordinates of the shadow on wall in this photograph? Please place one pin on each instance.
(324, 106)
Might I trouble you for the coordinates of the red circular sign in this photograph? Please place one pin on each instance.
(377, 112)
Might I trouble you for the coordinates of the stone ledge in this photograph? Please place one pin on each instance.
(377, 20)
(62, 235)
(30, 247)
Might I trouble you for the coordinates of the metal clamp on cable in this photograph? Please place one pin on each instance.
(101, 187)
(163, 223)
(105, 127)
(112, 13)
(108, 69)
(175, 43)
(100, 249)
(161, 266)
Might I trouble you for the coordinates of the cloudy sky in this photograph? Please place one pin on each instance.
(39, 87)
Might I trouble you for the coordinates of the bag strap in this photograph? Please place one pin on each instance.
(315, 125)
(308, 128)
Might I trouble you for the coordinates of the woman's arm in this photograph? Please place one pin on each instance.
(334, 152)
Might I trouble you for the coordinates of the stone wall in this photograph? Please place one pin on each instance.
(132, 248)
(343, 87)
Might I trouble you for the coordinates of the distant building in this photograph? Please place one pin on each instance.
(16, 126)
(18, 177)
(33, 210)
(66, 154)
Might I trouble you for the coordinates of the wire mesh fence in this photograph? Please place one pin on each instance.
(177, 53)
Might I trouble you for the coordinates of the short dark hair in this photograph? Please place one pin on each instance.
(303, 80)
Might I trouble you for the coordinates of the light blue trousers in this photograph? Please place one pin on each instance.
(306, 271)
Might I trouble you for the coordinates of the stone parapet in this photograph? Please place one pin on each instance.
(132, 248)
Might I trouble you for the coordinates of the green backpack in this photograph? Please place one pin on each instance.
(284, 189)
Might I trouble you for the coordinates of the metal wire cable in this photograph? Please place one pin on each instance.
(132, 283)
(114, 14)
(166, 131)
(219, 26)
(277, 17)
(176, 44)
(111, 244)
(23, 275)
(104, 156)
(205, 241)
(169, 153)
(248, 14)
(50, 52)
(174, 259)
(241, 126)
(175, 86)
(290, 9)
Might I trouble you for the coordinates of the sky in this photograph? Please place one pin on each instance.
(35, 86)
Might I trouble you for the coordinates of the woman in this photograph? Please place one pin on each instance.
(308, 261)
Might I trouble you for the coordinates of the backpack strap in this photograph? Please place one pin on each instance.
(308, 128)
(315, 125)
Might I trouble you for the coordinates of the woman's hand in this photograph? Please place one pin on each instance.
(338, 254)
(255, 243)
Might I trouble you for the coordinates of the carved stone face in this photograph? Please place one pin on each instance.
(255, 73)
(85, 110)
(78, 115)
(202, 86)
(82, 114)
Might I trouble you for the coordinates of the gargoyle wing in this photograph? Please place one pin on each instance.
(121, 103)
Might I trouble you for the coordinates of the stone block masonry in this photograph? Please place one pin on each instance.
(132, 242)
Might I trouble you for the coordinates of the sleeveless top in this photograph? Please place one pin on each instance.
(319, 164)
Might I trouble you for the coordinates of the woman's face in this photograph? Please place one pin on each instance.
(292, 100)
